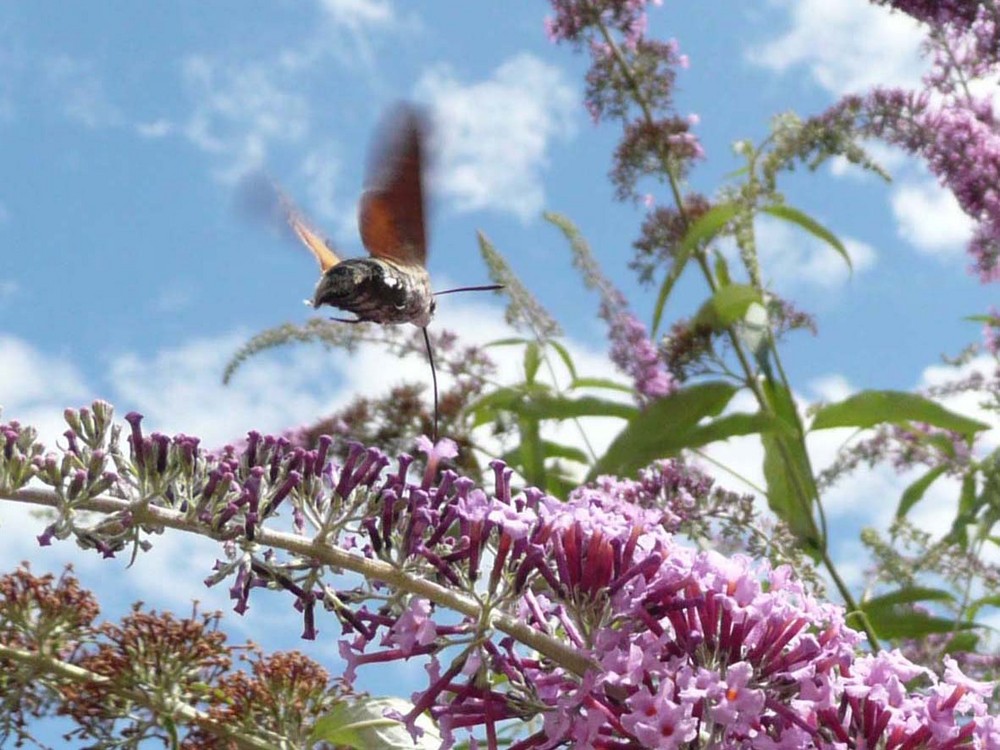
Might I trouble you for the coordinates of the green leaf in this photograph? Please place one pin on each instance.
(561, 407)
(967, 497)
(605, 383)
(794, 216)
(532, 466)
(791, 489)
(362, 725)
(722, 270)
(869, 408)
(893, 623)
(507, 342)
(908, 595)
(913, 494)
(564, 354)
(551, 450)
(661, 429)
(728, 305)
(962, 643)
(532, 360)
(991, 600)
(702, 230)
(733, 425)
(485, 408)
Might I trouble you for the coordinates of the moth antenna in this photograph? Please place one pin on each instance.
(487, 288)
(434, 379)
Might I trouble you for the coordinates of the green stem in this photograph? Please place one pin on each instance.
(334, 557)
(809, 501)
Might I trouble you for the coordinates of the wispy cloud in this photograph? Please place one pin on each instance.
(321, 170)
(847, 46)
(359, 14)
(36, 386)
(928, 217)
(241, 110)
(494, 135)
(791, 258)
(79, 90)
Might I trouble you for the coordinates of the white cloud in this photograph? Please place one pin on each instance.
(36, 387)
(493, 135)
(171, 298)
(830, 388)
(80, 91)
(790, 256)
(155, 128)
(848, 45)
(180, 389)
(359, 14)
(351, 30)
(241, 111)
(969, 404)
(928, 217)
(321, 170)
(8, 289)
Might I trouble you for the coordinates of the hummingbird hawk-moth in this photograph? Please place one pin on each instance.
(391, 286)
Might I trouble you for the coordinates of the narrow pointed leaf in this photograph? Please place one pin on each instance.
(797, 217)
(791, 488)
(722, 270)
(551, 450)
(869, 408)
(605, 383)
(560, 407)
(915, 492)
(563, 353)
(892, 623)
(908, 595)
(507, 342)
(703, 230)
(660, 430)
(532, 361)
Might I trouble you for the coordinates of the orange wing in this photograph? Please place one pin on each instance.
(318, 246)
(391, 214)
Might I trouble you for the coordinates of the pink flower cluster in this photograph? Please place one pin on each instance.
(683, 646)
(587, 614)
(634, 353)
(952, 123)
(573, 17)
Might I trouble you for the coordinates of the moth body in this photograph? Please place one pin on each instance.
(378, 290)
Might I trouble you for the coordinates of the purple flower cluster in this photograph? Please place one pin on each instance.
(574, 17)
(586, 614)
(635, 354)
(960, 13)
(952, 123)
(680, 645)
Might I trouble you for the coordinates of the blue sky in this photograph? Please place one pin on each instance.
(127, 273)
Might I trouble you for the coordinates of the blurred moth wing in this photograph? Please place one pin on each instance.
(309, 237)
(392, 208)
